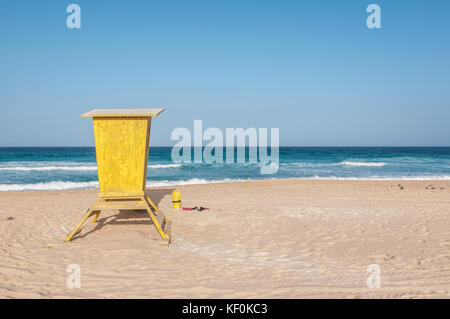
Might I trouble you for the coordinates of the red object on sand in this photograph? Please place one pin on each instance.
(196, 208)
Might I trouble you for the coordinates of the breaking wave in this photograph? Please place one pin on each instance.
(364, 164)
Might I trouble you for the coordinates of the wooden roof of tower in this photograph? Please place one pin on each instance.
(123, 112)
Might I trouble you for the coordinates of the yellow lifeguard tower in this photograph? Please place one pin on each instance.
(122, 143)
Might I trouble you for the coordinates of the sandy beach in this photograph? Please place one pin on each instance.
(261, 239)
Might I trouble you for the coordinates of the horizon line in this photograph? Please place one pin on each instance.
(245, 146)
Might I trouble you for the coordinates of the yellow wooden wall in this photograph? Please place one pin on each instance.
(121, 145)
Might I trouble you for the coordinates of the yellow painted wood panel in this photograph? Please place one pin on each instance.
(121, 145)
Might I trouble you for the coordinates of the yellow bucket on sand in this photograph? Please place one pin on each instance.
(176, 199)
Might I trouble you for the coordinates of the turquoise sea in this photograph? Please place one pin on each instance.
(54, 168)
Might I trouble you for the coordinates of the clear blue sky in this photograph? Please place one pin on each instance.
(311, 68)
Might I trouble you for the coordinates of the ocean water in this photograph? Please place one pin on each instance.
(75, 167)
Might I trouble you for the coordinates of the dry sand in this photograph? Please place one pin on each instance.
(265, 239)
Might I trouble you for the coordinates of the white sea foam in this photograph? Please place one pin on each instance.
(368, 164)
(164, 166)
(59, 185)
(193, 181)
(56, 185)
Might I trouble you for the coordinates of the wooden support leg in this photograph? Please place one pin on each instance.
(86, 216)
(149, 200)
(95, 217)
(160, 221)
